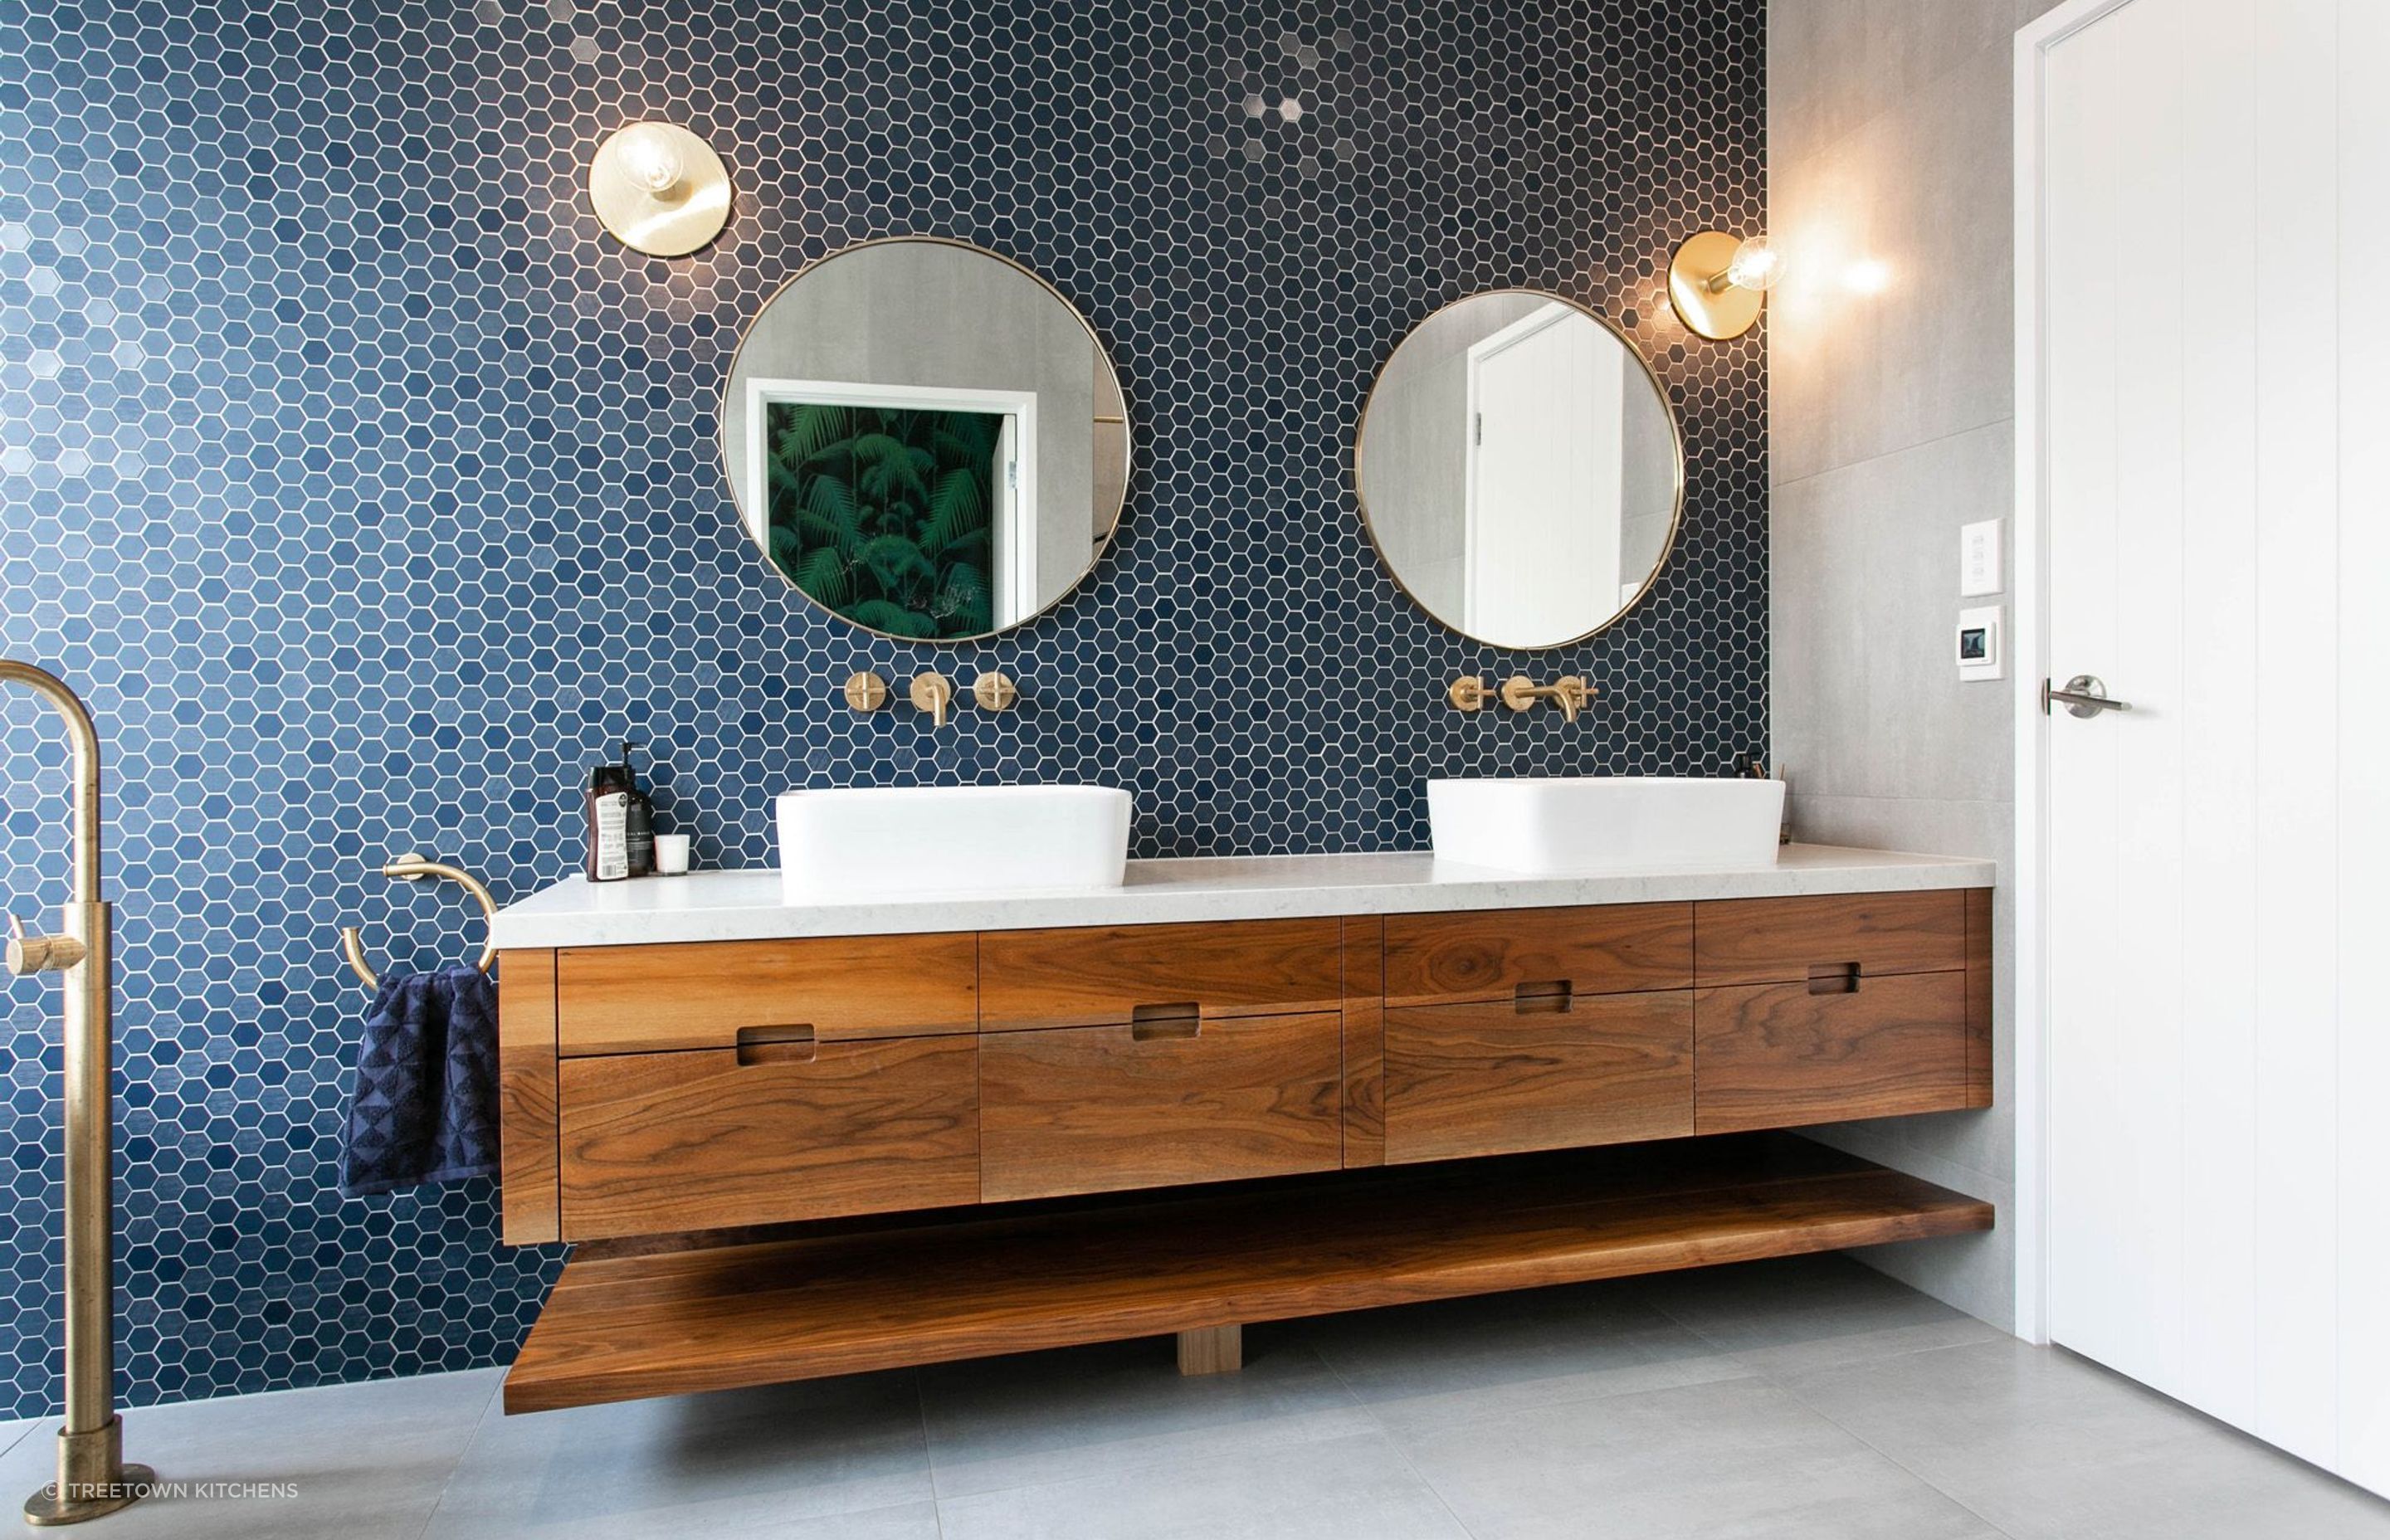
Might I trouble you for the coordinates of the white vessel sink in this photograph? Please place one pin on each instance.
(862, 841)
(1606, 822)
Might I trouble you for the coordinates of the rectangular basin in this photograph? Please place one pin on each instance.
(1606, 824)
(892, 841)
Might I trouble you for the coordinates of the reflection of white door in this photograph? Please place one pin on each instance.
(1015, 537)
(2215, 541)
(1545, 449)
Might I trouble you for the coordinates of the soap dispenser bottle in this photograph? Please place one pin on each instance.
(639, 821)
(606, 809)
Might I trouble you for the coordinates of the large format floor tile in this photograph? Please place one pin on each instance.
(1429, 1365)
(359, 1461)
(1355, 1488)
(1041, 1417)
(735, 1462)
(1803, 1313)
(2046, 1444)
(1733, 1459)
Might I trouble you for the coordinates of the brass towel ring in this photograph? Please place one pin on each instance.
(411, 867)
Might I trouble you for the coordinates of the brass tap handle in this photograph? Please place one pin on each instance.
(1468, 693)
(994, 691)
(29, 955)
(933, 693)
(866, 691)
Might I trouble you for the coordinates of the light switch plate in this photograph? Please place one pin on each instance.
(1979, 558)
(1979, 651)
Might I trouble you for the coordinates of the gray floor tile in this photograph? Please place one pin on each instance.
(1037, 1418)
(733, 1462)
(1738, 1457)
(360, 1461)
(1804, 1313)
(1358, 1488)
(1422, 1364)
(2046, 1444)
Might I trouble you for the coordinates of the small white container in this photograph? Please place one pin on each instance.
(671, 854)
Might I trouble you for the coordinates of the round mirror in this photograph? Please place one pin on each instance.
(926, 439)
(1520, 469)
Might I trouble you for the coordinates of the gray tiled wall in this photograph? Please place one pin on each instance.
(1891, 426)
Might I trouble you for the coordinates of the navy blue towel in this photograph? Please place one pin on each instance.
(425, 1104)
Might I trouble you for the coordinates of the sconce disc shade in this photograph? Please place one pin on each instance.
(1731, 310)
(671, 222)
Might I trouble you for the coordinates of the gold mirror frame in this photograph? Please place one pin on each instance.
(1675, 441)
(1128, 447)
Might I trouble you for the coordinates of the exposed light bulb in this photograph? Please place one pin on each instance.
(1756, 265)
(651, 159)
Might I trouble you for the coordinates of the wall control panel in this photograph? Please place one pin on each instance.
(1980, 655)
(1979, 558)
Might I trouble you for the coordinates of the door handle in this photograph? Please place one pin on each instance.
(2084, 696)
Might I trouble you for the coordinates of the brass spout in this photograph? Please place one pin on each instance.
(93, 1478)
(933, 693)
(1570, 692)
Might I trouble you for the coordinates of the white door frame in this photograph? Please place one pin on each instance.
(2029, 869)
(1473, 438)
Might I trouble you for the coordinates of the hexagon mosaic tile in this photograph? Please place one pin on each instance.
(368, 491)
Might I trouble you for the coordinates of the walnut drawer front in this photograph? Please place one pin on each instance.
(704, 995)
(1101, 1109)
(1503, 1077)
(688, 1141)
(1777, 1055)
(1499, 953)
(1109, 975)
(1768, 940)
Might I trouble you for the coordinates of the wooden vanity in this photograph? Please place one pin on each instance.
(973, 1141)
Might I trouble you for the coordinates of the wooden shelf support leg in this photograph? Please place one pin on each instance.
(1212, 1349)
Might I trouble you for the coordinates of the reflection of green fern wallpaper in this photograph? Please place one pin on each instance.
(882, 513)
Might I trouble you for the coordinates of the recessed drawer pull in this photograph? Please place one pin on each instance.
(1179, 1019)
(1549, 996)
(790, 1044)
(1834, 978)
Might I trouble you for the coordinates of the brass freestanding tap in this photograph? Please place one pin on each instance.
(93, 1478)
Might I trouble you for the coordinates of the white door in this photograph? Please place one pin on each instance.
(1547, 453)
(2204, 229)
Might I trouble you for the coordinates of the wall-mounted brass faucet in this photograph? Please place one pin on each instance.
(1570, 692)
(932, 692)
(935, 693)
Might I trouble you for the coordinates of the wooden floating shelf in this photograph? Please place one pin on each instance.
(847, 1300)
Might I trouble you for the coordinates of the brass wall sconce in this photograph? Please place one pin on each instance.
(1718, 284)
(659, 188)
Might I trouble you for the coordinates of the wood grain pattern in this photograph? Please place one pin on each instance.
(690, 1141)
(1095, 1108)
(1487, 954)
(1487, 1080)
(527, 1130)
(1776, 1056)
(619, 1328)
(1212, 1349)
(1979, 996)
(1365, 1011)
(698, 994)
(1765, 941)
(1097, 976)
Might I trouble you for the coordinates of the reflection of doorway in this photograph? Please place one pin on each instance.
(1547, 404)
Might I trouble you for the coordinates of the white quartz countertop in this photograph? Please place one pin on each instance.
(750, 905)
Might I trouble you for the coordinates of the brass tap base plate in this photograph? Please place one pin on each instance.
(50, 1506)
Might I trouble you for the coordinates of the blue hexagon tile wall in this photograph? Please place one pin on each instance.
(370, 491)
